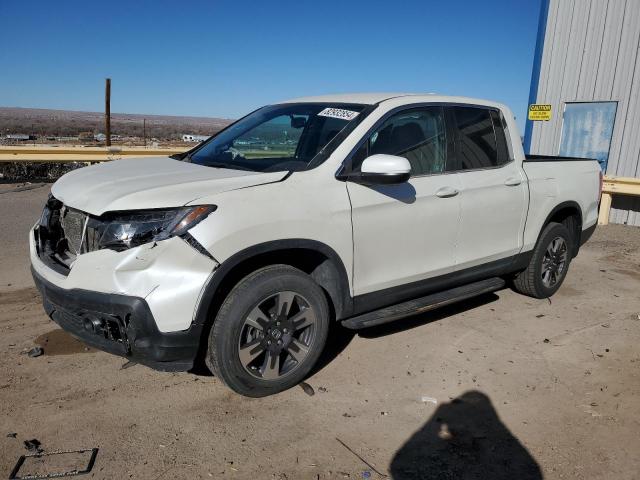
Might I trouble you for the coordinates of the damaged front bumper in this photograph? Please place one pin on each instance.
(169, 275)
(140, 303)
(119, 324)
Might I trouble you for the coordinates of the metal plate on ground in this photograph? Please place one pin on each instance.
(67, 463)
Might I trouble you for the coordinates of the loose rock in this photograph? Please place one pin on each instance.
(308, 389)
(33, 445)
(35, 352)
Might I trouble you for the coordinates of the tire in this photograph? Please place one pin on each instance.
(537, 280)
(257, 352)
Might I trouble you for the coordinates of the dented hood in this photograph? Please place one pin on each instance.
(149, 183)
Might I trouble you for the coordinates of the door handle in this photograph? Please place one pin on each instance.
(446, 192)
(512, 181)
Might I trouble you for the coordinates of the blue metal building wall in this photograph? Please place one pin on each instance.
(589, 51)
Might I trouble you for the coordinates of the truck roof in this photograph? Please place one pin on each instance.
(365, 98)
(377, 97)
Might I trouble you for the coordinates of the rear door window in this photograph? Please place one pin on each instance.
(476, 144)
(499, 128)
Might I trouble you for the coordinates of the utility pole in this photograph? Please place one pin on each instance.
(144, 131)
(107, 111)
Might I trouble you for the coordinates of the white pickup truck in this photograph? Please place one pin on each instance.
(359, 209)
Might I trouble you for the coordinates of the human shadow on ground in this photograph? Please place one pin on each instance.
(464, 440)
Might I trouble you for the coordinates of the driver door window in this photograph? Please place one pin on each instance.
(419, 135)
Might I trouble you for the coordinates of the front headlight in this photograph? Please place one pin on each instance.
(122, 230)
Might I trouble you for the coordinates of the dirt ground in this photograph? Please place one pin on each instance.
(500, 387)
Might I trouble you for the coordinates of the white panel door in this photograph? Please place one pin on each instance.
(494, 196)
(406, 233)
(493, 204)
(403, 233)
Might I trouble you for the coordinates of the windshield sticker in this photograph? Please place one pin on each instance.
(338, 113)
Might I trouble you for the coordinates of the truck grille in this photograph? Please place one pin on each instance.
(73, 224)
(91, 238)
(60, 235)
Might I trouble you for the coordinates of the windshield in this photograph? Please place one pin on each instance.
(278, 137)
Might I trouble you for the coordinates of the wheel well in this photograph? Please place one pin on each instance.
(571, 218)
(327, 272)
(318, 265)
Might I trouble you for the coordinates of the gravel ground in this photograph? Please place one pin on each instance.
(500, 387)
(20, 207)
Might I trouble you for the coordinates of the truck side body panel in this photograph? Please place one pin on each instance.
(555, 183)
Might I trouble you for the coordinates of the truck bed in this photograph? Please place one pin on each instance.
(560, 182)
(553, 158)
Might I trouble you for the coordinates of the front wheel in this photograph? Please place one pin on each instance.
(548, 266)
(269, 332)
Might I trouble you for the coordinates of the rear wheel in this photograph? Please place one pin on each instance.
(269, 332)
(548, 266)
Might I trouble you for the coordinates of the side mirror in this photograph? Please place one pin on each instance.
(382, 170)
(298, 122)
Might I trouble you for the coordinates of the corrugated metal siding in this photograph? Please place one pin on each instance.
(593, 43)
(591, 53)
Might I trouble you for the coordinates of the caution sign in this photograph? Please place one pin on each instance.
(539, 112)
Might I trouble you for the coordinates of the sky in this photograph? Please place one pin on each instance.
(226, 58)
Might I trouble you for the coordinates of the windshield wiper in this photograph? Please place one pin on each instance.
(181, 156)
(227, 166)
(189, 157)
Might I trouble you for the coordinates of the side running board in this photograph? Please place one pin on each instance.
(423, 304)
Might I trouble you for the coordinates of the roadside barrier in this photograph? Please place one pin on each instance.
(80, 154)
(615, 186)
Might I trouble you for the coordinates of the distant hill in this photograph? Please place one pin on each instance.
(43, 122)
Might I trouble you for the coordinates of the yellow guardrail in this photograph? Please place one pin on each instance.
(615, 186)
(80, 154)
